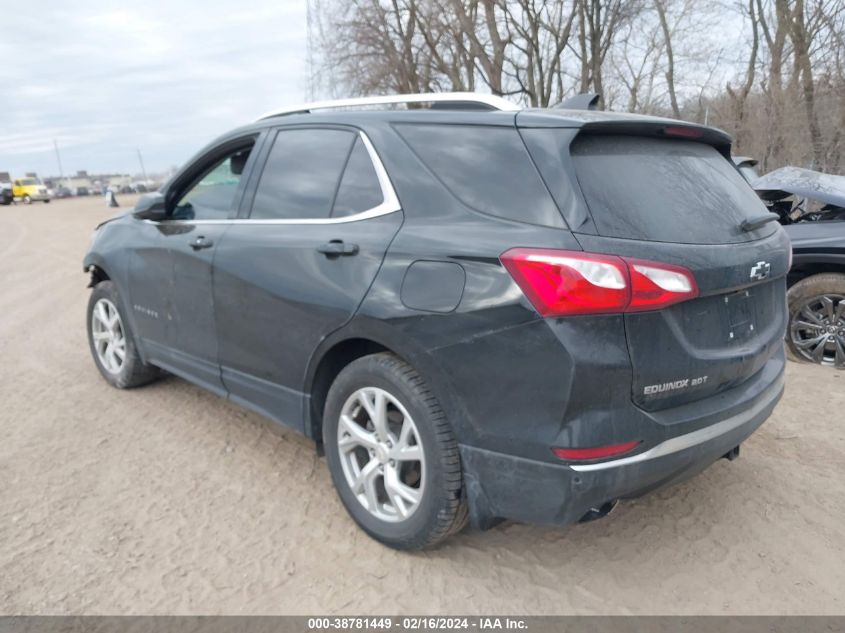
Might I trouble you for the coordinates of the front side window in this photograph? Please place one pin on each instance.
(212, 197)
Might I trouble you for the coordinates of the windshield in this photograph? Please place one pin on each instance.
(28, 181)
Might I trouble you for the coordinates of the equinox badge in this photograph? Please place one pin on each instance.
(760, 270)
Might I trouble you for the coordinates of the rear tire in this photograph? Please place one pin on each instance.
(398, 472)
(112, 343)
(816, 331)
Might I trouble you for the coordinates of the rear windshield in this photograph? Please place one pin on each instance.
(664, 190)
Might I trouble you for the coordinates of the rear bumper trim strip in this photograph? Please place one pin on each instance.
(688, 440)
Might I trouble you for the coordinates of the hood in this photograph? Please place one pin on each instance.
(814, 235)
(804, 183)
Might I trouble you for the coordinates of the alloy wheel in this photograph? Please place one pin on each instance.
(109, 336)
(381, 454)
(817, 330)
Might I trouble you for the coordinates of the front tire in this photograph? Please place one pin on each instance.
(112, 343)
(392, 454)
(816, 332)
(27, 200)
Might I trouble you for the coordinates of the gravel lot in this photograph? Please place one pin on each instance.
(168, 499)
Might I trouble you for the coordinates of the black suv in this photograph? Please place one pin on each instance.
(476, 311)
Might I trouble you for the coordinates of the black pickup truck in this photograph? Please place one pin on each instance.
(811, 206)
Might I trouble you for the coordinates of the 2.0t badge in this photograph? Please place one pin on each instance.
(651, 390)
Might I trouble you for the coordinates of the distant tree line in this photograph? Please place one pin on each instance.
(770, 72)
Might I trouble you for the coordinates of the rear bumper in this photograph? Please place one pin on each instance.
(501, 486)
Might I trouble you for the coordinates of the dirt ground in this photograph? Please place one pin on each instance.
(168, 499)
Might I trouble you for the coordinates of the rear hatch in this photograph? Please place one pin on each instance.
(679, 201)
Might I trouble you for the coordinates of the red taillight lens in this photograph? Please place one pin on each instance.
(596, 452)
(560, 283)
(655, 286)
(566, 283)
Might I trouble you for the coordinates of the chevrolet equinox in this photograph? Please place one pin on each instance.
(478, 312)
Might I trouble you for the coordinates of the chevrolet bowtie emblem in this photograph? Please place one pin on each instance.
(760, 271)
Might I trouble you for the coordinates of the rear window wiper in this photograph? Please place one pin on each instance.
(752, 224)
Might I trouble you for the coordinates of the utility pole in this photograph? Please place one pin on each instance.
(141, 160)
(309, 50)
(59, 160)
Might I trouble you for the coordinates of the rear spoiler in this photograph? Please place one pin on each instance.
(596, 122)
(669, 129)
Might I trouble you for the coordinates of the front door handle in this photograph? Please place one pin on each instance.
(336, 248)
(201, 242)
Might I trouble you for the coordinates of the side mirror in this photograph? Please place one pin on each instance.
(150, 206)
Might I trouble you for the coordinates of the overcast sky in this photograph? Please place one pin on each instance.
(104, 77)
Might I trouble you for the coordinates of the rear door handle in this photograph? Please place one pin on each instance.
(336, 248)
(201, 242)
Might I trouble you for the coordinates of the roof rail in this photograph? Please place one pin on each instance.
(483, 101)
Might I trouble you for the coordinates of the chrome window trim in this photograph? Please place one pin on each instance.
(688, 440)
(492, 101)
(389, 203)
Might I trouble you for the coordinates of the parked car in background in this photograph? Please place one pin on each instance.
(63, 192)
(747, 166)
(29, 190)
(458, 304)
(126, 189)
(6, 195)
(82, 191)
(811, 205)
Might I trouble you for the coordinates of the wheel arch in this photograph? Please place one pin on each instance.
(808, 264)
(359, 338)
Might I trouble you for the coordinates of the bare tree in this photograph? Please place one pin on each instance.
(670, 55)
(739, 96)
(539, 34)
(779, 87)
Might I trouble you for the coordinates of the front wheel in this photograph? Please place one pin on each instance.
(27, 200)
(111, 341)
(817, 320)
(392, 454)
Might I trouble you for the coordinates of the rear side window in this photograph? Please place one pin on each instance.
(486, 168)
(359, 188)
(302, 174)
(664, 190)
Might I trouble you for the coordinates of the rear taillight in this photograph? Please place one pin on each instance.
(565, 283)
(655, 286)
